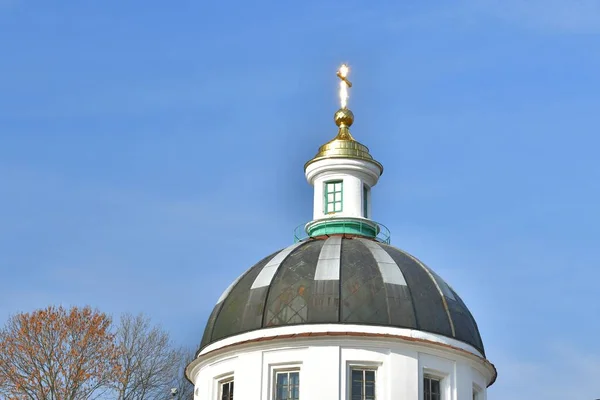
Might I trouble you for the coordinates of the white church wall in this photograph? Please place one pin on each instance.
(207, 382)
(442, 369)
(464, 387)
(273, 361)
(404, 368)
(340, 328)
(353, 173)
(371, 358)
(247, 377)
(479, 383)
(351, 196)
(324, 365)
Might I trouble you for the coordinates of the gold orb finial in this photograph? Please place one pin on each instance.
(343, 117)
(344, 145)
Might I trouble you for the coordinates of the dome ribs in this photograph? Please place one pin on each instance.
(290, 291)
(232, 313)
(401, 312)
(341, 280)
(363, 296)
(430, 309)
(465, 324)
(325, 302)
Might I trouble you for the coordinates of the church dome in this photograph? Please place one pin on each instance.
(341, 280)
(341, 311)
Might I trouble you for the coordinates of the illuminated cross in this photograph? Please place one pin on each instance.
(344, 84)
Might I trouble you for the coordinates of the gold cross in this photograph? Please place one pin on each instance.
(344, 85)
(343, 74)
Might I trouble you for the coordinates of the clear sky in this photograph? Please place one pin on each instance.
(150, 152)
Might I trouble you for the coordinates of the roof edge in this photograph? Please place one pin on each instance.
(309, 335)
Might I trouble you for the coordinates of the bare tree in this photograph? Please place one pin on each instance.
(185, 389)
(57, 354)
(148, 360)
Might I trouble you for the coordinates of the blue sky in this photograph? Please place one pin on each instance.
(151, 152)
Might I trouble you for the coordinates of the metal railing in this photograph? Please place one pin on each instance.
(354, 227)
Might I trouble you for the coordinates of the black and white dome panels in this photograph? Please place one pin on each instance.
(341, 281)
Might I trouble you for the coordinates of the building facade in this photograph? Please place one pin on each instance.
(341, 314)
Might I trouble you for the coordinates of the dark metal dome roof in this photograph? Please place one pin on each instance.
(341, 280)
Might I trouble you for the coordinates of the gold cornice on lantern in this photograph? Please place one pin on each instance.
(344, 145)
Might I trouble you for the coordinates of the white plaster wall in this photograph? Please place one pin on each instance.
(272, 361)
(206, 385)
(245, 378)
(317, 329)
(442, 368)
(324, 365)
(321, 363)
(353, 174)
(479, 383)
(371, 357)
(351, 196)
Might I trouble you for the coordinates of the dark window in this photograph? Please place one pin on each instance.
(365, 201)
(287, 385)
(363, 384)
(431, 388)
(227, 390)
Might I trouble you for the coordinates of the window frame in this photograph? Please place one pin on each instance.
(284, 370)
(438, 368)
(365, 201)
(326, 192)
(362, 368)
(439, 379)
(477, 392)
(225, 381)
